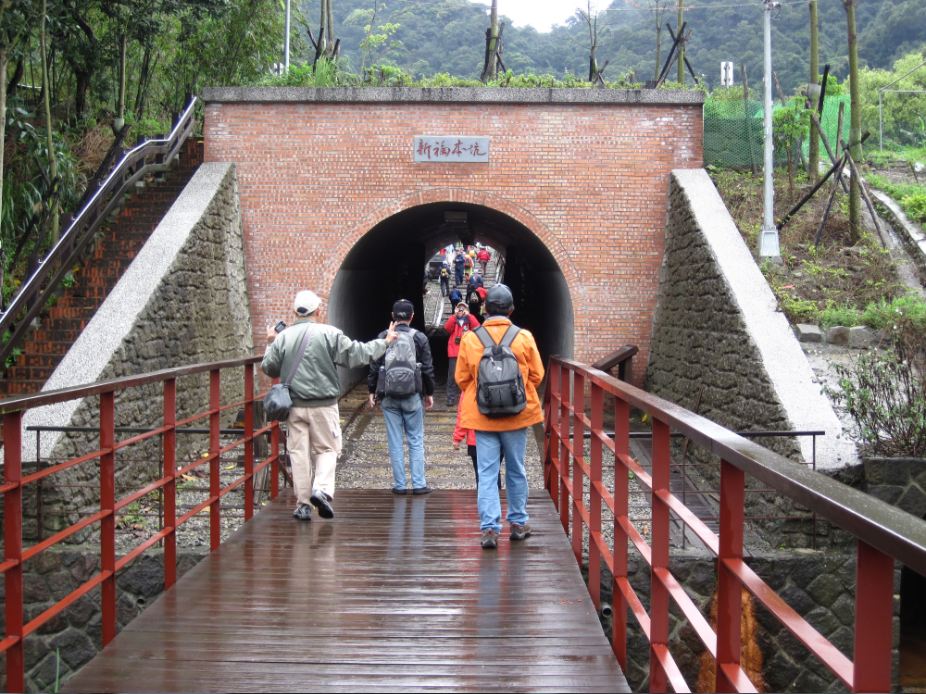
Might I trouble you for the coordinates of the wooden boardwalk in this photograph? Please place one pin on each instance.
(394, 594)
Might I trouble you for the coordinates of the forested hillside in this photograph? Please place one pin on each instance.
(434, 36)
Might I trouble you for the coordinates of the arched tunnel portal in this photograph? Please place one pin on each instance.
(388, 263)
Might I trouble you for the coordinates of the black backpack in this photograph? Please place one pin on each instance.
(401, 372)
(499, 386)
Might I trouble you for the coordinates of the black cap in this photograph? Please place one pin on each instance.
(499, 301)
(402, 309)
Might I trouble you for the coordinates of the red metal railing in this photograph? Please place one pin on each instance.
(578, 398)
(14, 482)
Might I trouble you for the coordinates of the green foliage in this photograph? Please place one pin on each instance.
(839, 315)
(894, 101)
(904, 312)
(915, 205)
(911, 196)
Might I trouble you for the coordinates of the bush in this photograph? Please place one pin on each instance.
(885, 394)
(905, 314)
(839, 315)
(915, 205)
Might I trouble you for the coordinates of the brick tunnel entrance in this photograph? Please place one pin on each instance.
(389, 262)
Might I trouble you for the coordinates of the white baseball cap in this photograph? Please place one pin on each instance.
(306, 302)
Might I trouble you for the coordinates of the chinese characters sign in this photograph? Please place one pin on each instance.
(451, 149)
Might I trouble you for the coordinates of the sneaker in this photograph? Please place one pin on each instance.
(489, 539)
(520, 532)
(303, 512)
(421, 490)
(322, 502)
(400, 491)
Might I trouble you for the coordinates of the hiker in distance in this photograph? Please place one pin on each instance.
(307, 353)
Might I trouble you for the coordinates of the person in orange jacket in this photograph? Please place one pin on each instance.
(500, 435)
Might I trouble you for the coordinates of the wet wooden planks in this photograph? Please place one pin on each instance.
(394, 594)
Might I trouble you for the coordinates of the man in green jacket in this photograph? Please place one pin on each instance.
(314, 427)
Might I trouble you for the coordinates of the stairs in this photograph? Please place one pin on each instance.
(122, 238)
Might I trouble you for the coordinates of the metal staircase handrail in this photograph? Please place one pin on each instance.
(149, 156)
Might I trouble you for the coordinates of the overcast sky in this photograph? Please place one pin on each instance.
(540, 14)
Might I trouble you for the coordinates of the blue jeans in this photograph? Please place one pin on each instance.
(405, 420)
(489, 447)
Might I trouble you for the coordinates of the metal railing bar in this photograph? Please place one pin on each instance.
(878, 524)
(64, 534)
(19, 403)
(64, 603)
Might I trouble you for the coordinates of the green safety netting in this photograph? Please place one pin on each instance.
(733, 131)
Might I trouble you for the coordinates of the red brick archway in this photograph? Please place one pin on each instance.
(583, 173)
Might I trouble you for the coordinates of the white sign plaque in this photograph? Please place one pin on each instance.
(451, 149)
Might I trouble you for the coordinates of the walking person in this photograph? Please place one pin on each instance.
(402, 381)
(313, 427)
(459, 262)
(444, 279)
(498, 370)
(483, 256)
(460, 322)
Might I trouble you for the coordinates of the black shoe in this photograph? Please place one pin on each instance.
(421, 490)
(303, 512)
(322, 503)
(399, 491)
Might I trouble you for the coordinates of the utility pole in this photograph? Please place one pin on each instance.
(768, 238)
(286, 39)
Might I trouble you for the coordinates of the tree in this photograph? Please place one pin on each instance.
(813, 155)
(681, 42)
(493, 36)
(855, 120)
(46, 92)
(590, 17)
(326, 46)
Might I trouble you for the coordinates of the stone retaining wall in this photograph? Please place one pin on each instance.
(720, 346)
(182, 301)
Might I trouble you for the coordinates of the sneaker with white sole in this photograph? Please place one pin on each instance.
(322, 502)
(303, 512)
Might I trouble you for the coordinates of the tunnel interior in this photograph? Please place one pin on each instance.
(389, 261)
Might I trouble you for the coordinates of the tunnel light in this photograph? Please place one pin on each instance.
(455, 217)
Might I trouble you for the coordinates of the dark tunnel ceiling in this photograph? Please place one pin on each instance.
(436, 225)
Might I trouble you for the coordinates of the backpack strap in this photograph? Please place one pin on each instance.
(510, 334)
(301, 353)
(484, 337)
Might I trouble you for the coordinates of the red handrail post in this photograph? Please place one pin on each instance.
(215, 537)
(578, 454)
(552, 464)
(562, 424)
(874, 612)
(107, 507)
(169, 472)
(12, 550)
(594, 498)
(729, 590)
(248, 442)
(659, 593)
(619, 604)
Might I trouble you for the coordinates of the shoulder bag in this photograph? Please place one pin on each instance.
(277, 401)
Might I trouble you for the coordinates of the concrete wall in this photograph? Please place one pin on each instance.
(720, 346)
(183, 300)
(584, 173)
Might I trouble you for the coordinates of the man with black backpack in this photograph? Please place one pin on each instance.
(498, 370)
(399, 381)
